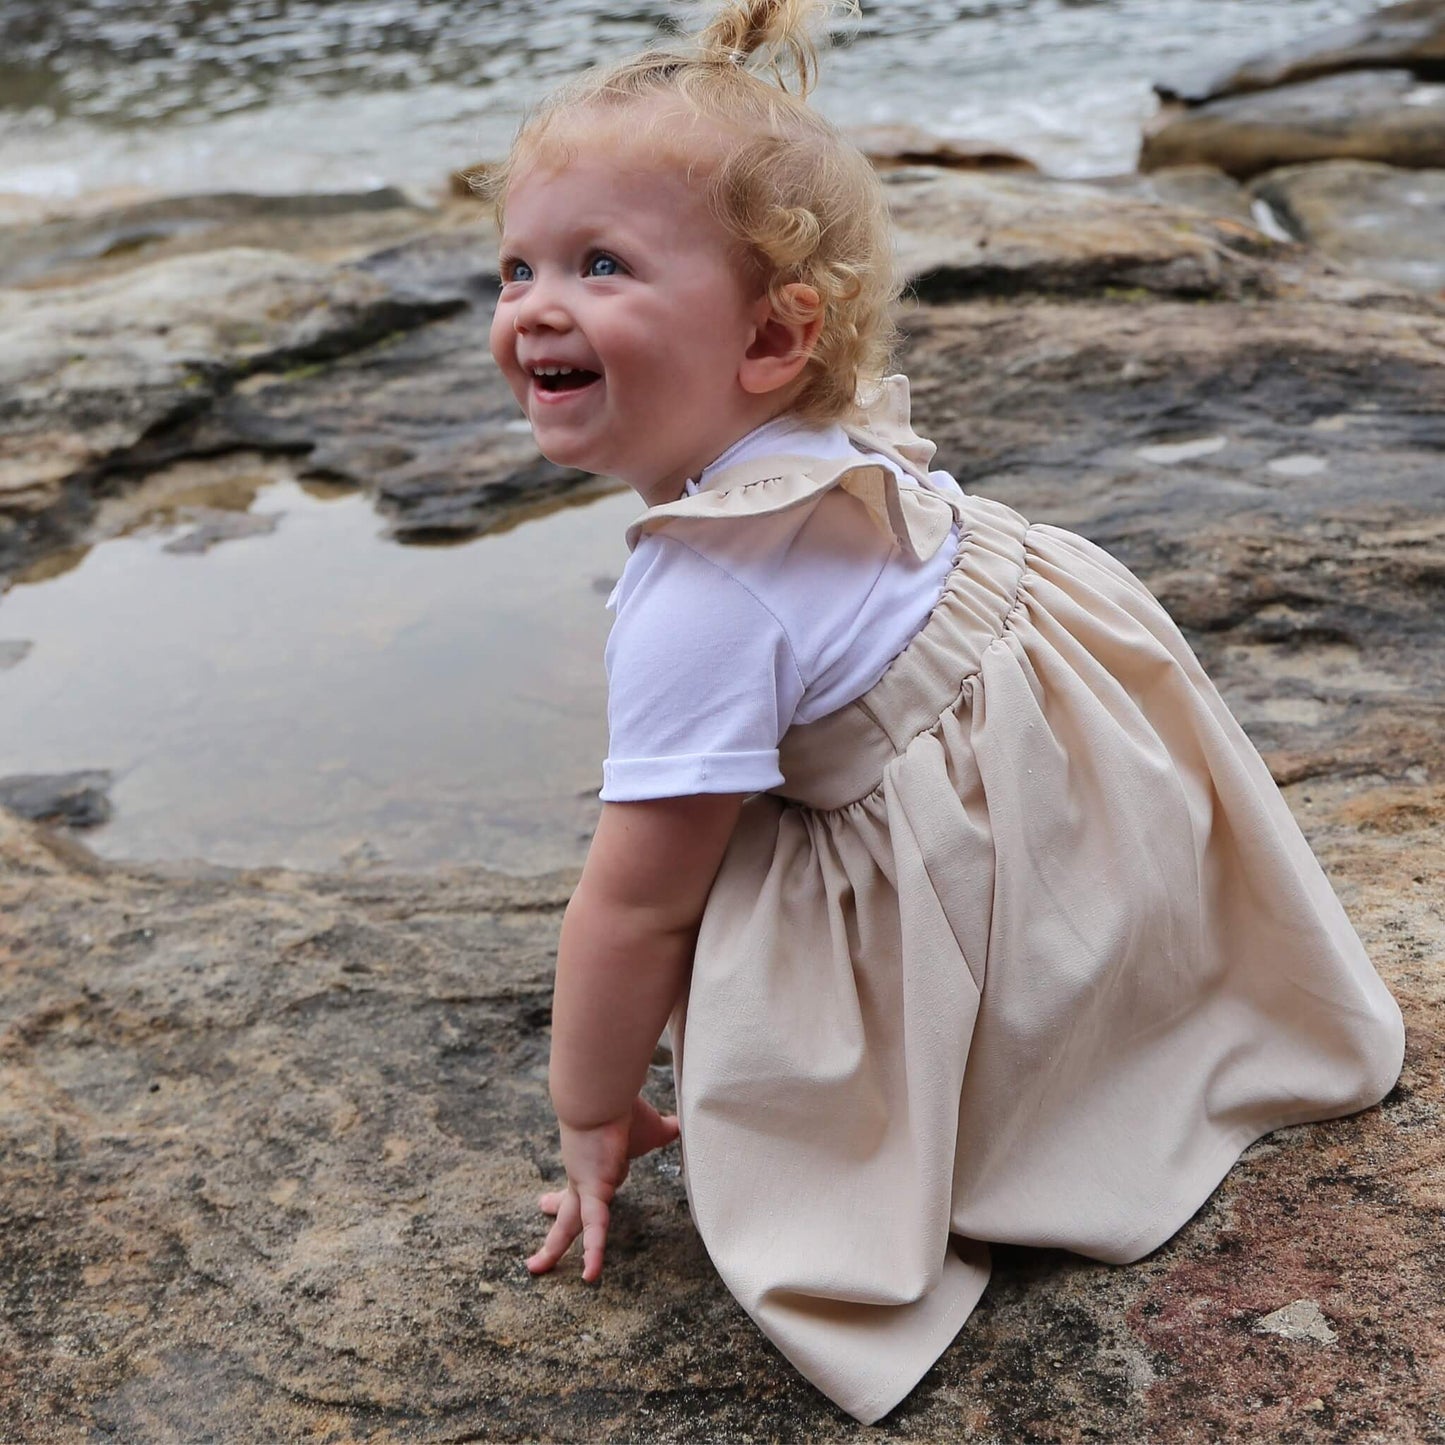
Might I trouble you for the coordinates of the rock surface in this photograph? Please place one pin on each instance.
(329, 227)
(968, 235)
(90, 372)
(1378, 219)
(890, 146)
(75, 799)
(1401, 37)
(1385, 115)
(270, 1143)
(1198, 187)
(377, 373)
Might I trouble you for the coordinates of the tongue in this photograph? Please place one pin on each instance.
(570, 382)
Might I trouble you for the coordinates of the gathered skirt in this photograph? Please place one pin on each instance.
(1027, 949)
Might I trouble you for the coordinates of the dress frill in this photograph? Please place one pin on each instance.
(1028, 949)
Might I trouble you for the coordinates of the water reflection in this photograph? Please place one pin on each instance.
(316, 695)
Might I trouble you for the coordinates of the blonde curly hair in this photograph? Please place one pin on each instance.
(804, 205)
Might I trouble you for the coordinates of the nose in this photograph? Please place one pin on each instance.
(541, 308)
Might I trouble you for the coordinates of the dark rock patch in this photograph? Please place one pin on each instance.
(76, 799)
(891, 146)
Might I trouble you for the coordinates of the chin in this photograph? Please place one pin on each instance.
(563, 453)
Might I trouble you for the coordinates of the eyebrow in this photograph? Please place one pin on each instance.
(584, 235)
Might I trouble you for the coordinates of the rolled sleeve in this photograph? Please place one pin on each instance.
(701, 680)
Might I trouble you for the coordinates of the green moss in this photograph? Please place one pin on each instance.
(301, 372)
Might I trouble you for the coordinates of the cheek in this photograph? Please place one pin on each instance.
(502, 337)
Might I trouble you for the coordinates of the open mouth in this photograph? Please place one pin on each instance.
(563, 378)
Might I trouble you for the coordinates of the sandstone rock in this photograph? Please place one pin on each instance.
(270, 1143)
(1382, 220)
(961, 235)
(460, 260)
(1406, 37)
(1199, 187)
(426, 424)
(891, 146)
(1385, 115)
(331, 227)
(1080, 413)
(76, 799)
(87, 372)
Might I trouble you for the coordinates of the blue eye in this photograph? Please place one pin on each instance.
(518, 271)
(604, 266)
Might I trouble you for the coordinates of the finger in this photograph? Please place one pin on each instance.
(595, 1218)
(551, 1202)
(565, 1228)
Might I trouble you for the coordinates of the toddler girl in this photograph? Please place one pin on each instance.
(976, 915)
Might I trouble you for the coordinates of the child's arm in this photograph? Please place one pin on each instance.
(626, 946)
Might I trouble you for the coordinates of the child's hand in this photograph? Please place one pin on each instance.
(597, 1160)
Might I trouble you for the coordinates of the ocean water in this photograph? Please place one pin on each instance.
(283, 95)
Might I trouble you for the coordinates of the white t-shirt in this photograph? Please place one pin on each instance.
(724, 640)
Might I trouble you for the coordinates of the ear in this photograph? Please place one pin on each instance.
(783, 339)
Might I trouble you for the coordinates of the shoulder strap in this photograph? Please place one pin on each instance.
(917, 518)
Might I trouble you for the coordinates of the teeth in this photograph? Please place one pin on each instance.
(552, 370)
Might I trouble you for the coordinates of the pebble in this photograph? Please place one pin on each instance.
(1301, 1320)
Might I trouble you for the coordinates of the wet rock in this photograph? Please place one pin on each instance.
(88, 373)
(1302, 1320)
(76, 799)
(1379, 219)
(891, 146)
(1404, 37)
(966, 235)
(1385, 115)
(71, 248)
(425, 423)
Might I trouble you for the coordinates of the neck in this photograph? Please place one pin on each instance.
(670, 487)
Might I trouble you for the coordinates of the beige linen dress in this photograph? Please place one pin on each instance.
(1027, 949)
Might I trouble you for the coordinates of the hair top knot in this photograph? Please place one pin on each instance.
(778, 32)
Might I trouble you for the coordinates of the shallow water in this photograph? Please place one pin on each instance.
(319, 696)
(277, 95)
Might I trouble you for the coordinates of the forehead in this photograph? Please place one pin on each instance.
(641, 160)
